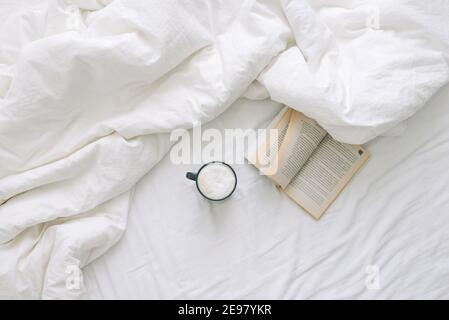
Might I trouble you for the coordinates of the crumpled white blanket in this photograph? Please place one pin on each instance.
(361, 67)
(89, 91)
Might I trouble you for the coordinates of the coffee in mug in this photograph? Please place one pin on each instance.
(215, 180)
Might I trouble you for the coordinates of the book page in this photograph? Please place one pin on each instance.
(325, 174)
(265, 153)
(298, 137)
(302, 138)
(280, 123)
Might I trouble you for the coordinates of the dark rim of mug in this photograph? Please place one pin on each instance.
(205, 165)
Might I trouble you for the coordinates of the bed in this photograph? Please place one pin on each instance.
(92, 207)
(391, 220)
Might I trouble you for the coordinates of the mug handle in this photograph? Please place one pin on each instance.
(191, 176)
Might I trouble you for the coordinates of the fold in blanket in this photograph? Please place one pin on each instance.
(90, 89)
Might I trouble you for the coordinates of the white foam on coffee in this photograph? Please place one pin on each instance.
(216, 181)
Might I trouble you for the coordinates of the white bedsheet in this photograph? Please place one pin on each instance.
(259, 244)
(89, 90)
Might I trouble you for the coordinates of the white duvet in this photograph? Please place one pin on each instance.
(89, 91)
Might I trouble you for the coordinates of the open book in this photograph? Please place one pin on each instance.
(305, 161)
